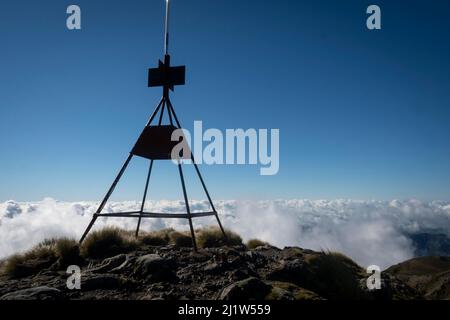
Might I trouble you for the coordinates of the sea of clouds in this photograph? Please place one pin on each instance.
(370, 232)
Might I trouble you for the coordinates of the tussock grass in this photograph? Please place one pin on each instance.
(206, 238)
(212, 237)
(335, 276)
(156, 238)
(11, 267)
(19, 265)
(68, 252)
(255, 243)
(108, 242)
(180, 239)
(41, 256)
(165, 237)
(105, 243)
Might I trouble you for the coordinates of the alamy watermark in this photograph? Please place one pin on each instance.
(374, 280)
(74, 280)
(73, 21)
(374, 20)
(232, 147)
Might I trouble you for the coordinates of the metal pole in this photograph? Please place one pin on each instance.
(113, 186)
(194, 243)
(155, 112)
(172, 111)
(106, 198)
(169, 112)
(166, 29)
(162, 103)
(144, 197)
(193, 160)
(162, 112)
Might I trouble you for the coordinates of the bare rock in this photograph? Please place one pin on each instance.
(32, 267)
(248, 289)
(110, 264)
(155, 268)
(104, 282)
(37, 293)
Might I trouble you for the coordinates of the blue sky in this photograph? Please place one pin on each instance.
(362, 114)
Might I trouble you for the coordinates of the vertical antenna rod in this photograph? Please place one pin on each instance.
(166, 29)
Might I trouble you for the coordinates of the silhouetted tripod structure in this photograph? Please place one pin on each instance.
(155, 143)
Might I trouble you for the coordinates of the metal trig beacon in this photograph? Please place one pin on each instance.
(155, 143)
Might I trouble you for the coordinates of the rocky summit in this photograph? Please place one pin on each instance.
(227, 273)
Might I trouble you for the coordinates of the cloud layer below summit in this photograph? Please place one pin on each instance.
(370, 232)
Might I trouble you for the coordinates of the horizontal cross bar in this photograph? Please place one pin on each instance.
(137, 214)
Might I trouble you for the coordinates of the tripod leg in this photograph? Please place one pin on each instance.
(108, 195)
(155, 112)
(113, 186)
(94, 218)
(221, 227)
(169, 112)
(194, 243)
(162, 111)
(172, 111)
(145, 196)
(209, 197)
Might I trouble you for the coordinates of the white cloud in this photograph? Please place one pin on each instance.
(371, 232)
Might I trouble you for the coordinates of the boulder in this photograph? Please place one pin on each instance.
(292, 271)
(155, 268)
(110, 264)
(214, 268)
(32, 267)
(248, 289)
(277, 293)
(103, 282)
(289, 291)
(37, 293)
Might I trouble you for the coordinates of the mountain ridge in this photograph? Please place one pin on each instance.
(162, 266)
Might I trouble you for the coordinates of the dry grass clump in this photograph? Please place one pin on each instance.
(166, 236)
(108, 242)
(180, 239)
(209, 237)
(212, 237)
(68, 252)
(255, 243)
(156, 238)
(335, 276)
(42, 256)
(28, 263)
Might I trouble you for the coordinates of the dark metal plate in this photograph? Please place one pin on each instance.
(155, 143)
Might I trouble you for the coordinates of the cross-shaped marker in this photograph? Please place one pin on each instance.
(166, 76)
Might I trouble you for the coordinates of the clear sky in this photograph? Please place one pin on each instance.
(362, 114)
